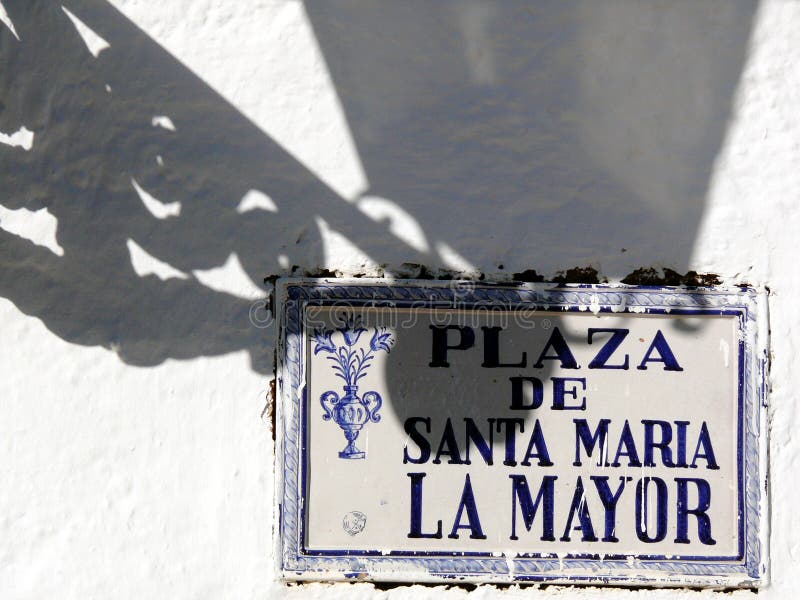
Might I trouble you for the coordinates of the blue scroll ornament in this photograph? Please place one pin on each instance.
(350, 363)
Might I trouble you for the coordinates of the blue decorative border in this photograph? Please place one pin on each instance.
(295, 562)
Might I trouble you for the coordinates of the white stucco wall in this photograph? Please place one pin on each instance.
(135, 459)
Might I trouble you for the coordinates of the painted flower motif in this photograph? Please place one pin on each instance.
(352, 330)
(349, 362)
(381, 340)
(324, 341)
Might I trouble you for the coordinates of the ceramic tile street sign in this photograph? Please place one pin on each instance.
(447, 430)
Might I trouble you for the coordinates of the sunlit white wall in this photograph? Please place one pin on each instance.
(157, 481)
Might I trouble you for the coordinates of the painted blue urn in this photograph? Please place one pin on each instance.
(351, 362)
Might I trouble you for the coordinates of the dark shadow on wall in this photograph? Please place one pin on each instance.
(561, 131)
(542, 135)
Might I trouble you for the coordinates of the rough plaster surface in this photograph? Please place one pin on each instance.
(135, 461)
